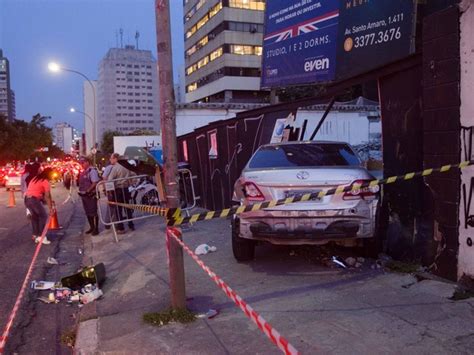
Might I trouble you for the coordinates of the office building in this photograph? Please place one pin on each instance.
(63, 136)
(127, 92)
(7, 96)
(223, 50)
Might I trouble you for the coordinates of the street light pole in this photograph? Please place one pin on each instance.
(168, 133)
(54, 67)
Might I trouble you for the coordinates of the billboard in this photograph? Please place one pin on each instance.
(310, 41)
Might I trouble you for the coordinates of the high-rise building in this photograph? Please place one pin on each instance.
(7, 101)
(63, 136)
(127, 92)
(223, 50)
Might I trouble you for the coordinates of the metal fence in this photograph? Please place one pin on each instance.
(137, 190)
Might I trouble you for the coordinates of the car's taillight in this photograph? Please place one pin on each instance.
(252, 193)
(361, 192)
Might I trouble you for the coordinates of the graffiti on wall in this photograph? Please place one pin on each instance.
(467, 188)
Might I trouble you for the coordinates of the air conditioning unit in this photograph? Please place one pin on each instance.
(211, 36)
(253, 30)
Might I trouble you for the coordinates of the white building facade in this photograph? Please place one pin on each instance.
(63, 136)
(7, 96)
(223, 50)
(127, 92)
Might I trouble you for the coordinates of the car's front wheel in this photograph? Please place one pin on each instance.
(243, 249)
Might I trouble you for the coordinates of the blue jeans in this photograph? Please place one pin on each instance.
(38, 214)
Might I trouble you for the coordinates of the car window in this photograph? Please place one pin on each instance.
(298, 155)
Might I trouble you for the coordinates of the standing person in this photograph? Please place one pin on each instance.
(121, 194)
(108, 211)
(88, 179)
(38, 190)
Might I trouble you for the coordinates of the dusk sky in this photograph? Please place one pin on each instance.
(77, 35)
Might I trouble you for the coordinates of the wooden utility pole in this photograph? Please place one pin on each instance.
(168, 136)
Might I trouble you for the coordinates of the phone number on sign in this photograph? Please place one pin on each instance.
(380, 37)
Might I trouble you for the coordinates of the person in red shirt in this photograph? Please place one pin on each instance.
(38, 191)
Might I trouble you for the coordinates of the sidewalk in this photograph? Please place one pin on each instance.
(315, 307)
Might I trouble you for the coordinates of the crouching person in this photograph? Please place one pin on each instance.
(88, 180)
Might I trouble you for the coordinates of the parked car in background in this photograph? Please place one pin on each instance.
(13, 179)
(283, 170)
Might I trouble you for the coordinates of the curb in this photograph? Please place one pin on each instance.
(87, 338)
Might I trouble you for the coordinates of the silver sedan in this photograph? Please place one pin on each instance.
(289, 169)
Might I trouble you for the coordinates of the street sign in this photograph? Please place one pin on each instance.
(311, 41)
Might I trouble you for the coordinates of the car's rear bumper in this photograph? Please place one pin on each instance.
(309, 227)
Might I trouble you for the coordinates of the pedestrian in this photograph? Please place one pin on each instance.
(108, 211)
(88, 180)
(121, 193)
(38, 192)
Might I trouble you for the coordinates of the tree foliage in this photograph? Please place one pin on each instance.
(107, 146)
(19, 139)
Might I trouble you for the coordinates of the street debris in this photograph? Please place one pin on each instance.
(82, 287)
(203, 249)
(209, 314)
(52, 261)
(338, 262)
(43, 285)
(87, 275)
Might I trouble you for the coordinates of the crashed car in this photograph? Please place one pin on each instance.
(283, 170)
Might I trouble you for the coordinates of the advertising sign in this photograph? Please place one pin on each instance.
(310, 41)
(373, 34)
(300, 42)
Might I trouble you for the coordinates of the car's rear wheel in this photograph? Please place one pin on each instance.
(243, 249)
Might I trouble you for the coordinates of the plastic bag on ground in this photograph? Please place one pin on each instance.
(203, 249)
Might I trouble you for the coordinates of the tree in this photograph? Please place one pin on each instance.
(19, 139)
(107, 145)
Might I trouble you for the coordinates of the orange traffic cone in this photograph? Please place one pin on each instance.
(11, 198)
(53, 222)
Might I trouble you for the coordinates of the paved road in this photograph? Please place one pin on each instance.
(33, 331)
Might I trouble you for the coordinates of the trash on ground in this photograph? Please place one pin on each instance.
(52, 261)
(361, 260)
(43, 285)
(338, 262)
(209, 314)
(87, 275)
(293, 253)
(91, 296)
(203, 249)
(45, 300)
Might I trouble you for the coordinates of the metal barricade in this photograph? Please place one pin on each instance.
(186, 190)
(137, 190)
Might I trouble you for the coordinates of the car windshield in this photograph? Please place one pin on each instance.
(298, 155)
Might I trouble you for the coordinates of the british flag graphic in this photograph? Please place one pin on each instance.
(317, 23)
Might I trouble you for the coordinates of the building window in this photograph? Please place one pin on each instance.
(203, 20)
(192, 87)
(245, 50)
(216, 54)
(248, 4)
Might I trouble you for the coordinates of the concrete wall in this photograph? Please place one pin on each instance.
(466, 212)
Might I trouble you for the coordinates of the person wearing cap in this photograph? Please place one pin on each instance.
(88, 180)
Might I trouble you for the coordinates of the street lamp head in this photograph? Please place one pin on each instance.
(72, 109)
(54, 67)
